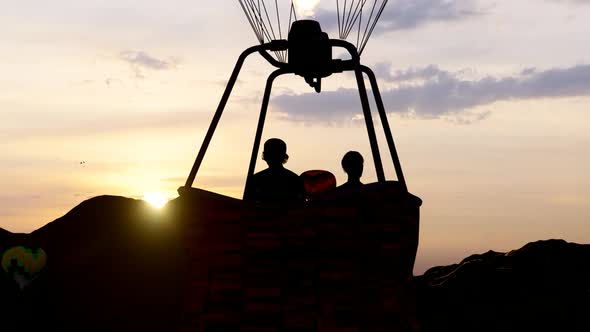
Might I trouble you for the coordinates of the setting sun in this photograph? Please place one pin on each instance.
(156, 199)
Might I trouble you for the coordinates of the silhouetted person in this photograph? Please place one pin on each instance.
(276, 183)
(352, 163)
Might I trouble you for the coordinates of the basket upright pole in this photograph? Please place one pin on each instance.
(369, 123)
(386, 128)
(355, 65)
(215, 121)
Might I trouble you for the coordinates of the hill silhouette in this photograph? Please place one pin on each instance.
(116, 264)
(543, 286)
(4, 235)
(110, 266)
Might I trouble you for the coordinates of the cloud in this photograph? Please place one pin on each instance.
(140, 61)
(383, 71)
(145, 60)
(430, 92)
(410, 14)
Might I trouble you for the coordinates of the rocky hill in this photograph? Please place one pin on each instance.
(543, 286)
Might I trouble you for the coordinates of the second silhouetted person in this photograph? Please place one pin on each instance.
(352, 163)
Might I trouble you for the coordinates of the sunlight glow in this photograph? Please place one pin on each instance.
(156, 199)
(306, 8)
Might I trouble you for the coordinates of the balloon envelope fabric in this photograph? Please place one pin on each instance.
(318, 181)
(23, 264)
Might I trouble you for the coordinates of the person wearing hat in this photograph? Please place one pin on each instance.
(276, 183)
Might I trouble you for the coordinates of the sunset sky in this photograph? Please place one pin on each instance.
(488, 102)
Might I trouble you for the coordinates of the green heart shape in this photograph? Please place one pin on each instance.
(24, 264)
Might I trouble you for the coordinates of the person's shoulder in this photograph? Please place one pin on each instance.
(262, 174)
(259, 178)
(291, 175)
(290, 172)
(350, 186)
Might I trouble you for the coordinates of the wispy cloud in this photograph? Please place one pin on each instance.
(140, 61)
(432, 92)
(411, 14)
(384, 72)
(145, 60)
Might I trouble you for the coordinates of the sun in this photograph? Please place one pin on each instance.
(156, 199)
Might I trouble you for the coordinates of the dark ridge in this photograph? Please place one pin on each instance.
(4, 234)
(96, 211)
(111, 266)
(542, 286)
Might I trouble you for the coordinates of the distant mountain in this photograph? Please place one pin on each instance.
(543, 286)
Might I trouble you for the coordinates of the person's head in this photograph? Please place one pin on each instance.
(352, 163)
(275, 152)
